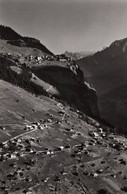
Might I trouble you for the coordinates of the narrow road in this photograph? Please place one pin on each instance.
(20, 135)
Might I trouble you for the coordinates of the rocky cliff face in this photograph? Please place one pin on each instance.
(71, 87)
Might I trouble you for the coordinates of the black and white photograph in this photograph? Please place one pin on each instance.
(63, 96)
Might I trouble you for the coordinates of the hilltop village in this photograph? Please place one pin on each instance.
(31, 61)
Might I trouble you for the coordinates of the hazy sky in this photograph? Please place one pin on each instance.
(73, 25)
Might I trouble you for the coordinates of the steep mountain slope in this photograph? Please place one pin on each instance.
(13, 38)
(47, 148)
(106, 71)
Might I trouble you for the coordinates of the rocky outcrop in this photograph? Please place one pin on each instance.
(71, 88)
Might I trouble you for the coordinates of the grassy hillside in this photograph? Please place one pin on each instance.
(45, 147)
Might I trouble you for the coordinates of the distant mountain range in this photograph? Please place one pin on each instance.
(107, 72)
(78, 55)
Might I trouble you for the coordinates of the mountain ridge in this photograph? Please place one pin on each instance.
(12, 37)
(106, 71)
